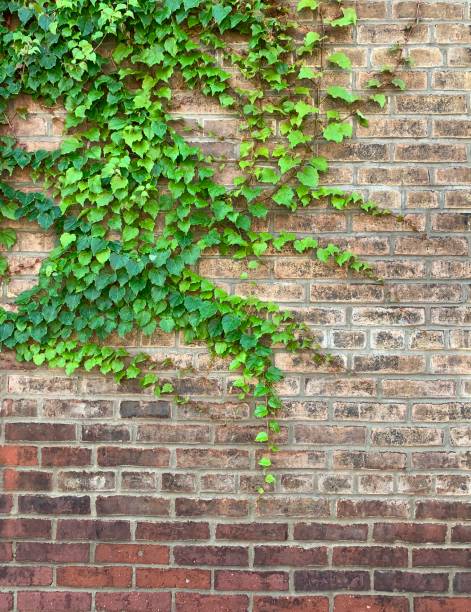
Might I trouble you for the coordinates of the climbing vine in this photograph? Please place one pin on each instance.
(134, 205)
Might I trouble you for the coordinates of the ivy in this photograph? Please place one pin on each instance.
(134, 205)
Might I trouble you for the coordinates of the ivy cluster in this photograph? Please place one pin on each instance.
(134, 205)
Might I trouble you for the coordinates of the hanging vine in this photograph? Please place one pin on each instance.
(135, 206)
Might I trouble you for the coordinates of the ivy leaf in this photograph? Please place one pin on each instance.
(284, 196)
(262, 436)
(307, 73)
(167, 325)
(399, 83)
(349, 18)
(308, 176)
(380, 99)
(341, 60)
(336, 132)
(220, 12)
(341, 93)
(66, 239)
(307, 4)
(230, 323)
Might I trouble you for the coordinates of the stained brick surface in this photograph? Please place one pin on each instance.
(116, 501)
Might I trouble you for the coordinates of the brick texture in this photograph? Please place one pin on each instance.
(114, 501)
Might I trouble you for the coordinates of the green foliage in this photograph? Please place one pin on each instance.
(134, 205)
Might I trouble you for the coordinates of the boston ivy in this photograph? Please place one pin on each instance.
(134, 205)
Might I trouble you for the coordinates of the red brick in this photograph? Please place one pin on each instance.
(369, 556)
(25, 528)
(409, 532)
(225, 580)
(133, 602)
(295, 556)
(65, 456)
(211, 555)
(300, 604)
(18, 455)
(25, 576)
(30, 601)
(330, 580)
(132, 554)
(56, 432)
(52, 553)
(252, 532)
(410, 582)
(441, 604)
(370, 603)
(72, 529)
(6, 602)
(168, 531)
(14, 480)
(189, 602)
(173, 578)
(131, 505)
(94, 577)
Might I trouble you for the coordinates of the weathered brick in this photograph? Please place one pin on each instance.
(410, 582)
(331, 580)
(138, 602)
(300, 604)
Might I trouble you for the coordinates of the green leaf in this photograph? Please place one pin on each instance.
(336, 132)
(341, 60)
(284, 196)
(265, 462)
(349, 18)
(341, 93)
(308, 176)
(220, 12)
(66, 239)
(307, 4)
(167, 325)
(262, 436)
(380, 99)
(230, 323)
(399, 83)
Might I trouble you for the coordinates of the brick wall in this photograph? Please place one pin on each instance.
(115, 501)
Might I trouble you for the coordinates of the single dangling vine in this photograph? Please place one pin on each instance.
(134, 205)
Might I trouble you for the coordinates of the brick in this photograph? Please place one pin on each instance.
(25, 576)
(370, 603)
(431, 104)
(71, 529)
(189, 602)
(409, 532)
(443, 510)
(439, 557)
(212, 458)
(294, 556)
(175, 433)
(39, 431)
(440, 604)
(168, 531)
(300, 604)
(85, 481)
(365, 411)
(65, 504)
(133, 602)
(211, 555)
(370, 556)
(292, 506)
(410, 582)
(6, 602)
(330, 532)
(248, 532)
(462, 582)
(132, 554)
(173, 578)
(62, 456)
(133, 409)
(25, 528)
(18, 455)
(406, 436)
(132, 505)
(372, 508)
(461, 533)
(226, 580)
(94, 577)
(319, 434)
(28, 601)
(14, 480)
(116, 456)
(77, 409)
(331, 580)
(211, 507)
(354, 459)
(52, 553)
